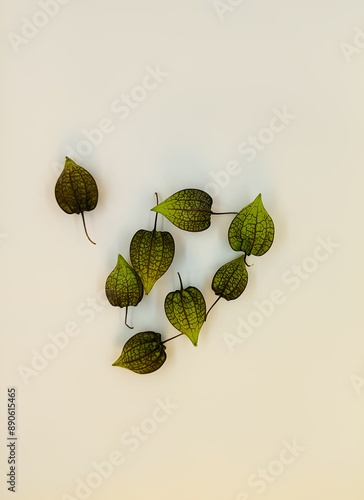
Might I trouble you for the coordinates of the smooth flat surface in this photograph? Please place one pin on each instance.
(233, 98)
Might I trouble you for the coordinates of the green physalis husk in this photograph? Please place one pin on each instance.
(252, 230)
(123, 286)
(231, 279)
(143, 353)
(188, 209)
(76, 191)
(186, 311)
(151, 254)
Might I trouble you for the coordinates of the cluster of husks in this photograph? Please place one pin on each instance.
(151, 253)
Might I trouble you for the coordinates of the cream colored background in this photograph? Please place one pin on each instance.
(292, 378)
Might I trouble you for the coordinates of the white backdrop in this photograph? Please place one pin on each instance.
(270, 404)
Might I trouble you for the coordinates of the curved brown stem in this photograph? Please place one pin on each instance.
(216, 301)
(126, 317)
(224, 213)
(164, 341)
(180, 281)
(84, 225)
(249, 265)
(156, 214)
